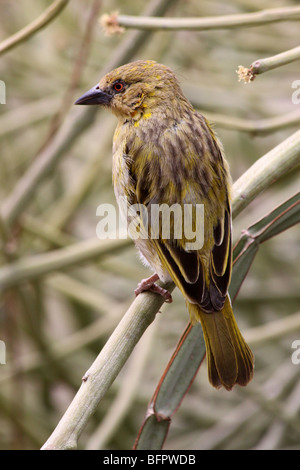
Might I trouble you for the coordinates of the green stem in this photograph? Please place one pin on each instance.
(39, 265)
(98, 379)
(255, 127)
(216, 22)
(269, 168)
(273, 330)
(42, 166)
(269, 63)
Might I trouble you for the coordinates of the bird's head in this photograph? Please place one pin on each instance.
(134, 89)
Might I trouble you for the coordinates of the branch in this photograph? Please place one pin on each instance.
(273, 330)
(46, 17)
(36, 266)
(43, 165)
(268, 63)
(201, 24)
(126, 393)
(104, 370)
(111, 359)
(80, 61)
(269, 168)
(255, 126)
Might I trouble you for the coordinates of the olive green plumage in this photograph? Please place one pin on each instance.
(164, 152)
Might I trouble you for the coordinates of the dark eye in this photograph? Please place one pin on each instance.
(119, 86)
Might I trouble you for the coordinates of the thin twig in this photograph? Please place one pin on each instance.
(46, 17)
(214, 22)
(268, 63)
(45, 263)
(25, 115)
(255, 126)
(43, 165)
(79, 63)
(273, 330)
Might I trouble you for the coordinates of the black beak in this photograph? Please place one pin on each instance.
(94, 96)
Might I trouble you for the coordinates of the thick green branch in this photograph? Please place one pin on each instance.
(269, 168)
(46, 17)
(104, 370)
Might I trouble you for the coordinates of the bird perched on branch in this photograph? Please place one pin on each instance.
(166, 153)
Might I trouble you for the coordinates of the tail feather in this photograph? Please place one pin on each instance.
(230, 360)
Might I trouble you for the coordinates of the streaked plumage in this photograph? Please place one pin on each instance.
(166, 152)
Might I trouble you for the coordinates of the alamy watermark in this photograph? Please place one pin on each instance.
(2, 92)
(296, 93)
(296, 354)
(2, 352)
(177, 221)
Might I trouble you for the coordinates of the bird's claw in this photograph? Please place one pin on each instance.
(149, 284)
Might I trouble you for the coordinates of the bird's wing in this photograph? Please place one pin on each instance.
(186, 167)
(201, 282)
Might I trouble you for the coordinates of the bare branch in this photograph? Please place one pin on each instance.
(201, 24)
(46, 17)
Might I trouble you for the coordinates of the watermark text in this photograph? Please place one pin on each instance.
(2, 92)
(157, 221)
(296, 93)
(296, 354)
(2, 352)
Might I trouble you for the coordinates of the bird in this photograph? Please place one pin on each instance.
(165, 153)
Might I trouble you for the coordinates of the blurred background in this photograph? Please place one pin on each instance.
(55, 321)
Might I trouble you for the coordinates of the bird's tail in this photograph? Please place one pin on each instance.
(230, 360)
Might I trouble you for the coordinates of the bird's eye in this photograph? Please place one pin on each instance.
(119, 86)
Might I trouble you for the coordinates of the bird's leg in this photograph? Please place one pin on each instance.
(149, 284)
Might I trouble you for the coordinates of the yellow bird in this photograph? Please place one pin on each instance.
(166, 154)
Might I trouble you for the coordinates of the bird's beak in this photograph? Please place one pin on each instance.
(94, 96)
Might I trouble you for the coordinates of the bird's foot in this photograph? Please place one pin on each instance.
(149, 284)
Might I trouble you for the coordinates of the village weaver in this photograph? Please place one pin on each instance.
(165, 152)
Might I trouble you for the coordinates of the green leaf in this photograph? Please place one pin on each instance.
(180, 371)
(153, 433)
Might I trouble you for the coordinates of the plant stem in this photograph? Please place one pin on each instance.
(42, 166)
(255, 127)
(269, 63)
(104, 370)
(279, 161)
(46, 17)
(215, 22)
(273, 330)
(39, 265)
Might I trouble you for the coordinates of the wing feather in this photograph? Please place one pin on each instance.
(189, 173)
